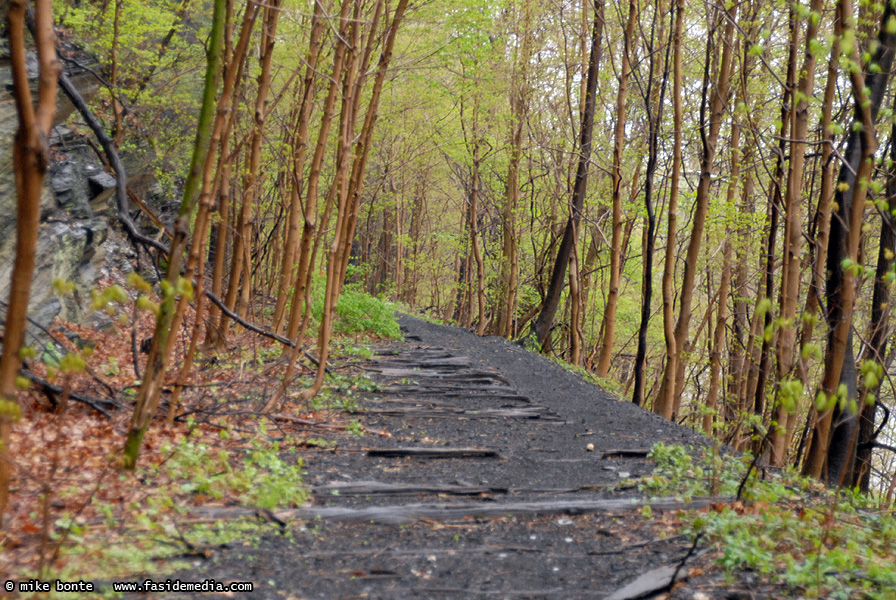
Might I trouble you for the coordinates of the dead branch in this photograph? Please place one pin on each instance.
(51, 390)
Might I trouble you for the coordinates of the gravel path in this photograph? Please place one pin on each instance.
(502, 476)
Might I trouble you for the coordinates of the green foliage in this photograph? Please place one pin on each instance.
(339, 390)
(355, 428)
(159, 74)
(348, 349)
(261, 478)
(360, 313)
(790, 392)
(677, 473)
(794, 531)
(72, 363)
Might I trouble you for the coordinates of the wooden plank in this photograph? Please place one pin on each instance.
(429, 551)
(534, 412)
(405, 513)
(504, 593)
(451, 389)
(467, 376)
(365, 488)
(441, 361)
(411, 512)
(372, 487)
(419, 452)
(648, 584)
(626, 453)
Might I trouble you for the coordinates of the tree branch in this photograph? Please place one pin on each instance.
(52, 390)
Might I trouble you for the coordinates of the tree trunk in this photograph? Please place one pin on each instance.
(832, 446)
(350, 198)
(232, 79)
(31, 158)
(473, 141)
(519, 96)
(609, 321)
(576, 337)
(654, 101)
(302, 287)
(665, 403)
(737, 353)
(241, 273)
(879, 327)
(344, 60)
(822, 222)
(718, 337)
(544, 323)
(793, 243)
(297, 181)
(710, 136)
(474, 239)
(157, 362)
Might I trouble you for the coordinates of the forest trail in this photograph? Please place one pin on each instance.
(501, 475)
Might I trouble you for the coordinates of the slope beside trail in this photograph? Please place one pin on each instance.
(481, 483)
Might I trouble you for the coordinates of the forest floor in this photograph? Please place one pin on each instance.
(486, 471)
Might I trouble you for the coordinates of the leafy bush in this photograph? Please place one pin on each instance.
(360, 313)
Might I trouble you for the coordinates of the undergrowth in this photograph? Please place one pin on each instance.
(183, 501)
(357, 312)
(818, 542)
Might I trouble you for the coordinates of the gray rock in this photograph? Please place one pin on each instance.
(71, 238)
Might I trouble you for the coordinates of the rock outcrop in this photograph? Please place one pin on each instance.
(74, 241)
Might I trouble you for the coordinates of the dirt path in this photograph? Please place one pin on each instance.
(501, 479)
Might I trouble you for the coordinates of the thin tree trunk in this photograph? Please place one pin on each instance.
(737, 345)
(544, 322)
(710, 136)
(822, 221)
(609, 320)
(756, 384)
(413, 260)
(718, 339)
(31, 158)
(241, 273)
(345, 59)
(353, 93)
(206, 194)
(157, 362)
(654, 107)
(793, 243)
(472, 141)
(350, 200)
(474, 234)
(576, 339)
(232, 79)
(665, 403)
(117, 109)
(292, 245)
(302, 295)
(510, 244)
